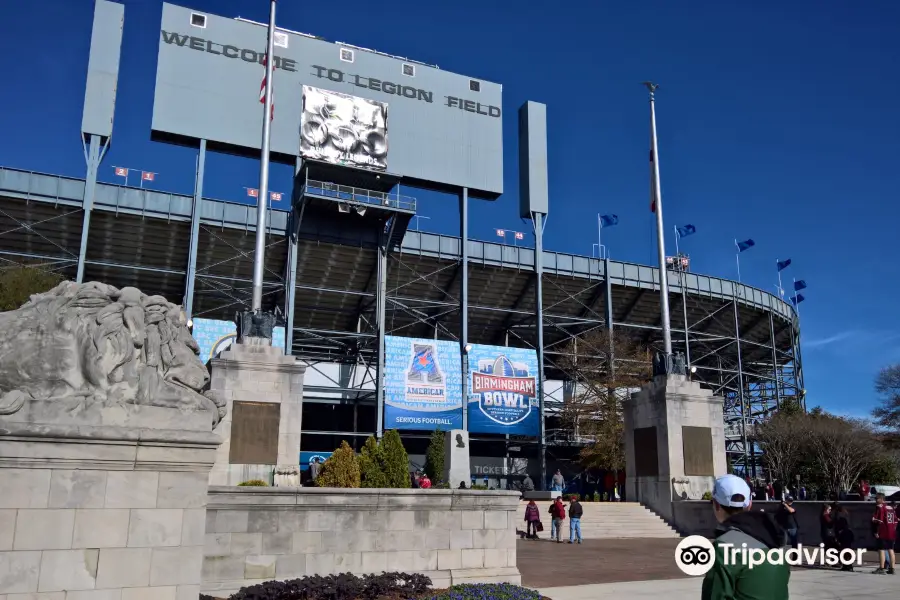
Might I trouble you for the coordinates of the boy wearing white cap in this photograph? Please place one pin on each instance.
(738, 526)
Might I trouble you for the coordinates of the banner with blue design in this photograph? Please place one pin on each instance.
(503, 391)
(214, 337)
(422, 384)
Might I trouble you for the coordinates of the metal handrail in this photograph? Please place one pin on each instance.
(352, 194)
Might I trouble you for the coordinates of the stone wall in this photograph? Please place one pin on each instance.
(453, 536)
(102, 513)
(697, 518)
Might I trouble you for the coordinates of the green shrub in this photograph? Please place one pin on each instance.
(477, 486)
(341, 470)
(434, 458)
(254, 483)
(707, 496)
(396, 460)
(17, 284)
(596, 496)
(371, 465)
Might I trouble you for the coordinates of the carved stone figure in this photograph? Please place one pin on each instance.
(88, 344)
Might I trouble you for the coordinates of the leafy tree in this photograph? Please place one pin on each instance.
(884, 469)
(341, 470)
(887, 384)
(434, 458)
(395, 460)
(19, 283)
(606, 368)
(371, 461)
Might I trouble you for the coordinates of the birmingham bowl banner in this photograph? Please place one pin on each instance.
(422, 384)
(503, 391)
(343, 129)
(214, 337)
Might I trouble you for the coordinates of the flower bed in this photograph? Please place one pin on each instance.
(387, 586)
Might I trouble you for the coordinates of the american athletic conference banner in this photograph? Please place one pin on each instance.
(344, 129)
(503, 391)
(422, 384)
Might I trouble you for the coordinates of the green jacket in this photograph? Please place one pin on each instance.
(738, 581)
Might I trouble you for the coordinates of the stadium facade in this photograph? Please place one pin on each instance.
(343, 272)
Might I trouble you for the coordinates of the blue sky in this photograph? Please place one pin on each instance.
(777, 122)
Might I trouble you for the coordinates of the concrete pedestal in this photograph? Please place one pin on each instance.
(259, 373)
(97, 512)
(674, 443)
(456, 458)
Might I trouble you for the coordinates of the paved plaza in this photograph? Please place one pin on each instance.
(806, 584)
(645, 568)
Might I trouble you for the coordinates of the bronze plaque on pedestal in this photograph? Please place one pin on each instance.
(254, 433)
(698, 454)
(646, 453)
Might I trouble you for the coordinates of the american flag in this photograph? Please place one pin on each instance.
(262, 89)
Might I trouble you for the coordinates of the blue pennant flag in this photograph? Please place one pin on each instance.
(797, 299)
(745, 245)
(783, 264)
(609, 220)
(799, 285)
(686, 230)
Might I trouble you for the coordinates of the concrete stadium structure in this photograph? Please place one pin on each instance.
(340, 279)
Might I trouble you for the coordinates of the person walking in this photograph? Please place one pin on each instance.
(740, 528)
(787, 519)
(843, 533)
(884, 524)
(532, 519)
(557, 516)
(575, 513)
(558, 482)
(826, 526)
(315, 467)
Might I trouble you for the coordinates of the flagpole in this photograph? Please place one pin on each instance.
(261, 203)
(796, 303)
(660, 232)
(599, 237)
(737, 257)
(780, 289)
(677, 251)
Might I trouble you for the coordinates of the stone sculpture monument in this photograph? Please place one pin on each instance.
(106, 444)
(456, 458)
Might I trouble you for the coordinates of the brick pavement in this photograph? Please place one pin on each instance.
(546, 564)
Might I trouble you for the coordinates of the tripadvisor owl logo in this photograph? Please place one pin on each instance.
(695, 556)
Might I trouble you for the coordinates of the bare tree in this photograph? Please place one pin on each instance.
(782, 439)
(841, 449)
(887, 384)
(605, 368)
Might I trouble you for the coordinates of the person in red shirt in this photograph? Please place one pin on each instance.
(884, 522)
(864, 489)
(424, 482)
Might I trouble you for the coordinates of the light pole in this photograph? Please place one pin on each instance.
(656, 199)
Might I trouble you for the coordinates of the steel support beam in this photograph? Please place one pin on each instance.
(290, 267)
(93, 158)
(381, 322)
(464, 301)
(740, 379)
(538, 220)
(190, 279)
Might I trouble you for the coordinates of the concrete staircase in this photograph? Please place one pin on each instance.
(607, 520)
